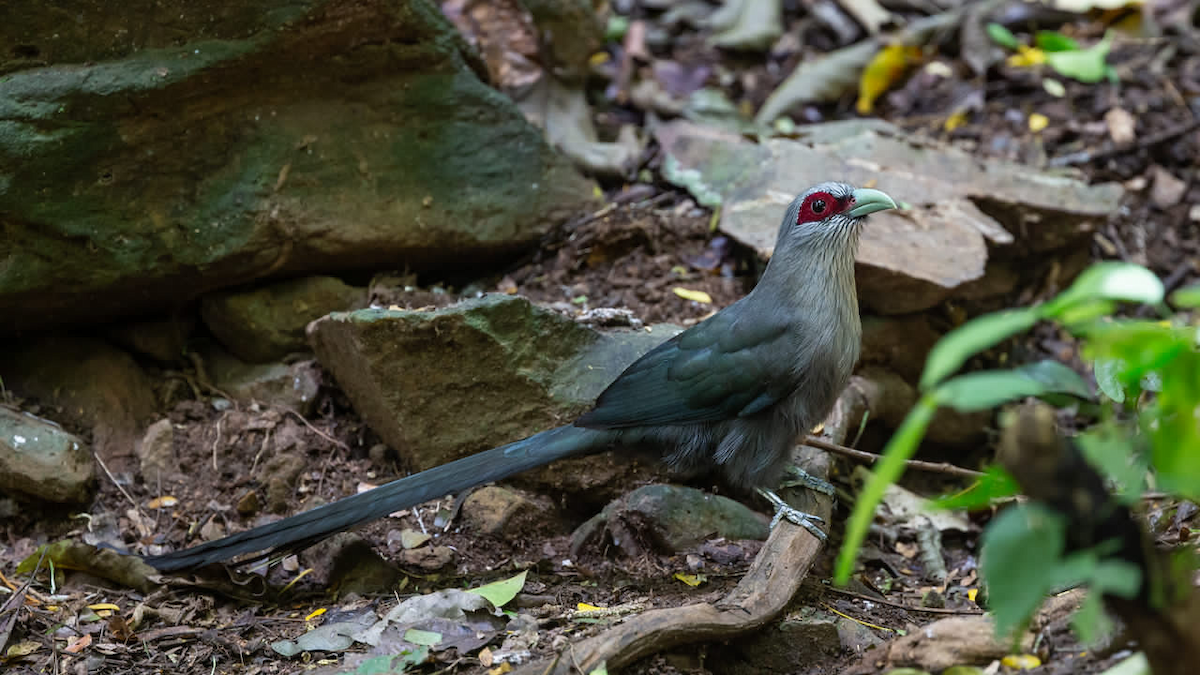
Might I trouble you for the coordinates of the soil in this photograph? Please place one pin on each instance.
(636, 253)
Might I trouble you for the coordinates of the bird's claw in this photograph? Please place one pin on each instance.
(783, 511)
(802, 478)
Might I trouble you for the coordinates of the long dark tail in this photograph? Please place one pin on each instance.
(308, 528)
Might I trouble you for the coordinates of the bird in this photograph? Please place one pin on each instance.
(731, 394)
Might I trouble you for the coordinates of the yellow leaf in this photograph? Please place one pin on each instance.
(163, 502)
(1021, 661)
(315, 613)
(955, 120)
(1037, 122)
(104, 605)
(1027, 57)
(695, 296)
(584, 607)
(690, 579)
(22, 649)
(972, 593)
(887, 68)
(505, 667)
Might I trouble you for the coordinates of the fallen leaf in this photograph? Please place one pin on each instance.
(695, 296)
(1021, 661)
(501, 592)
(691, 579)
(163, 502)
(22, 649)
(77, 644)
(1038, 122)
(1027, 57)
(886, 69)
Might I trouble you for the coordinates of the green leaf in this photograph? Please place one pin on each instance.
(1086, 65)
(1108, 281)
(500, 593)
(1002, 36)
(1054, 41)
(1022, 548)
(989, 388)
(996, 483)
(393, 664)
(974, 336)
(1109, 449)
(902, 446)
(1187, 297)
(1057, 378)
(1107, 379)
(425, 638)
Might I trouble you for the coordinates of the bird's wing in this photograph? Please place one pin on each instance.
(722, 368)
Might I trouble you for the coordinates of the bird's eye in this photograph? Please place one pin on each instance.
(818, 206)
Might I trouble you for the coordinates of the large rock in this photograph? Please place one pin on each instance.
(148, 155)
(961, 211)
(439, 385)
(265, 324)
(38, 459)
(87, 384)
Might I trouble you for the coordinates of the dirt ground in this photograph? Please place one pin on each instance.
(633, 254)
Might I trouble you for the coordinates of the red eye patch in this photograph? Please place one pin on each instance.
(818, 206)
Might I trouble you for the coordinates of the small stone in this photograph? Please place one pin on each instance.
(428, 557)
(379, 454)
(490, 509)
(1121, 125)
(248, 504)
(1167, 190)
(40, 460)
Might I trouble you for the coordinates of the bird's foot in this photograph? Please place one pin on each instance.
(802, 478)
(783, 511)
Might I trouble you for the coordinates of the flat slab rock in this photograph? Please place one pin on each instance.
(148, 156)
(442, 384)
(959, 210)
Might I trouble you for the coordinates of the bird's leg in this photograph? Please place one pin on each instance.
(793, 515)
(802, 478)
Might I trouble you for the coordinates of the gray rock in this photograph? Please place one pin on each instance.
(85, 383)
(267, 323)
(293, 386)
(147, 158)
(439, 385)
(156, 452)
(962, 211)
(669, 519)
(40, 460)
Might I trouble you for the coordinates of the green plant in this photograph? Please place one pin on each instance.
(1149, 369)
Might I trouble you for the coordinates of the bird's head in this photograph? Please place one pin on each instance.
(819, 235)
(829, 214)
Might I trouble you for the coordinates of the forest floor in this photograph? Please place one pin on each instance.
(633, 256)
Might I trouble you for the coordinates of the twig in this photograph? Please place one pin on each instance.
(891, 603)
(1086, 157)
(318, 432)
(871, 458)
(114, 482)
